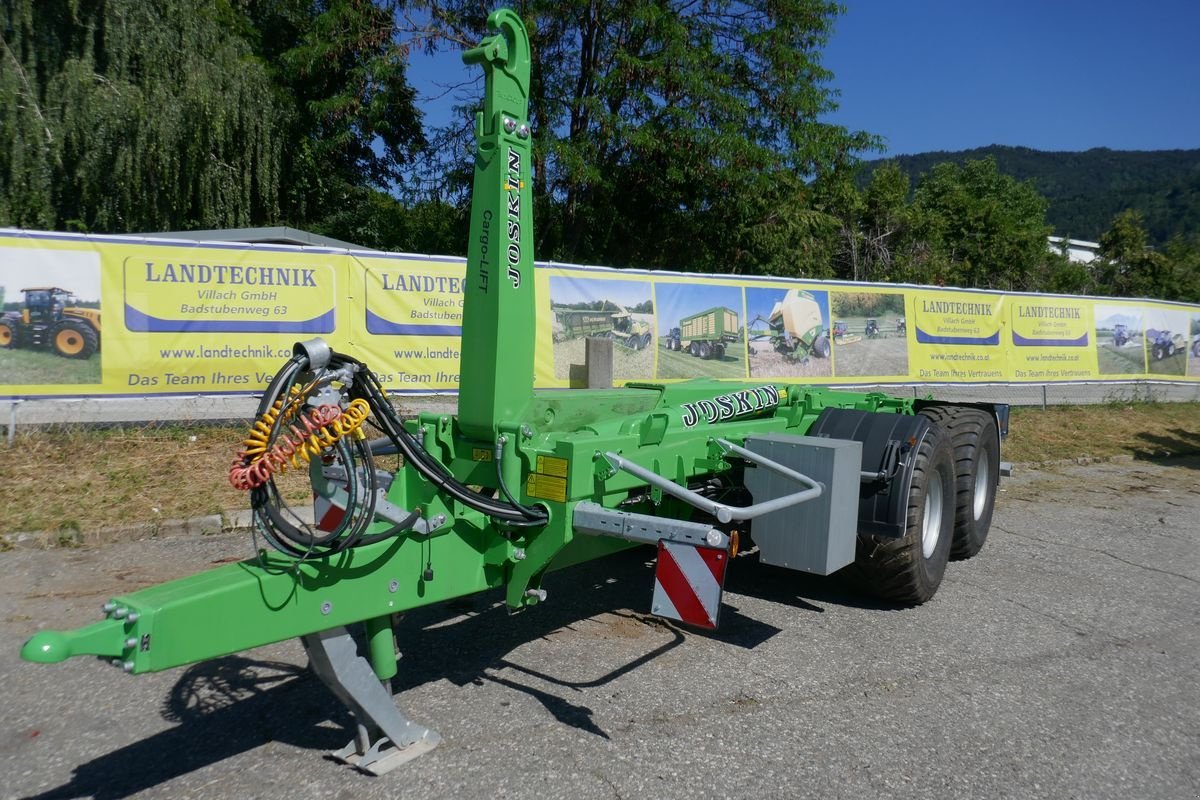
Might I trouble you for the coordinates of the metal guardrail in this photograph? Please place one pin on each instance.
(206, 409)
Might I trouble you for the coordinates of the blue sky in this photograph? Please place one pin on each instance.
(955, 74)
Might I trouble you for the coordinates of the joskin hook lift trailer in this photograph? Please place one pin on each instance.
(519, 482)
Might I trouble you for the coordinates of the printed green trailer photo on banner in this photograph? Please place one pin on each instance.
(701, 330)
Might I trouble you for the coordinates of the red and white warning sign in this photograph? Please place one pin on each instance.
(688, 583)
(329, 511)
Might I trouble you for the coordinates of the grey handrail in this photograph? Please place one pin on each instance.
(723, 511)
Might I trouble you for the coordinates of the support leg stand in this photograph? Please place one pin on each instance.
(385, 738)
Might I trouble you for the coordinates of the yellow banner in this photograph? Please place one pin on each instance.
(91, 316)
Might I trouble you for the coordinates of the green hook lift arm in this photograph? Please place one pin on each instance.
(497, 363)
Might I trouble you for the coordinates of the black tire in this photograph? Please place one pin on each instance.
(718, 352)
(910, 569)
(1170, 349)
(1196, 349)
(9, 335)
(1157, 352)
(976, 441)
(820, 347)
(694, 349)
(705, 350)
(74, 339)
(646, 339)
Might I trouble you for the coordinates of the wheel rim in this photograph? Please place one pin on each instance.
(68, 342)
(931, 525)
(6, 336)
(982, 484)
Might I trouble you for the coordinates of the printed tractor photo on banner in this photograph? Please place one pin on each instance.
(1166, 341)
(788, 333)
(870, 334)
(620, 310)
(50, 329)
(700, 331)
(1120, 348)
(1194, 347)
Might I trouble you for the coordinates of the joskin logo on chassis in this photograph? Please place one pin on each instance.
(269, 294)
(730, 406)
(512, 184)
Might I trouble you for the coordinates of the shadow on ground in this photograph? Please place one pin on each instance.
(235, 704)
(1181, 447)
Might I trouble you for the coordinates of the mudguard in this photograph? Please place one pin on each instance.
(888, 442)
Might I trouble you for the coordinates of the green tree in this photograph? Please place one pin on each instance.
(988, 227)
(660, 127)
(880, 231)
(143, 115)
(1183, 256)
(1126, 266)
(124, 115)
(1064, 276)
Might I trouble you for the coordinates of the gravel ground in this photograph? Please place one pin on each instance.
(1061, 662)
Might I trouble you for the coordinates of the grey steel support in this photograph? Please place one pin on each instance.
(385, 738)
(12, 422)
(596, 520)
(598, 360)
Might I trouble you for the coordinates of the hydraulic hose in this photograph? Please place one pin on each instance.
(280, 411)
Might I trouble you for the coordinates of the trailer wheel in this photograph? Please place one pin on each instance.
(718, 351)
(910, 569)
(976, 442)
(646, 339)
(820, 346)
(694, 349)
(705, 350)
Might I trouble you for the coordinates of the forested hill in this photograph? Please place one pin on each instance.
(1086, 190)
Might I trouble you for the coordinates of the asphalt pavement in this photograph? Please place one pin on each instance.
(1062, 662)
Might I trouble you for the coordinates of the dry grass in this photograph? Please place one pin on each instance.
(71, 480)
(1103, 431)
(64, 480)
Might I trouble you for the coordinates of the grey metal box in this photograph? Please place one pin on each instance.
(816, 536)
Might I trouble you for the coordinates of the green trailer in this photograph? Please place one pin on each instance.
(575, 323)
(705, 334)
(520, 482)
(621, 326)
